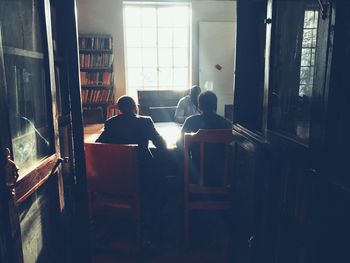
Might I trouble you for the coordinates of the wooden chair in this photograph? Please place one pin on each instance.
(112, 174)
(201, 139)
(112, 110)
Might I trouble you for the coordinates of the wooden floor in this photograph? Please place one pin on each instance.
(213, 250)
(210, 241)
(113, 240)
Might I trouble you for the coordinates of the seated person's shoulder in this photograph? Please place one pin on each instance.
(111, 120)
(183, 100)
(144, 118)
(226, 123)
(192, 123)
(193, 119)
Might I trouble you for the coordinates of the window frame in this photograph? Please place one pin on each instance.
(133, 90)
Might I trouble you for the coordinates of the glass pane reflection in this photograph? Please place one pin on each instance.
(293, 67)
(26, 86)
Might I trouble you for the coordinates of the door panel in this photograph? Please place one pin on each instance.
(34, 209)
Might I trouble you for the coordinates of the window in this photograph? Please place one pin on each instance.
(157, 46)
(308, 51)
(292, 69)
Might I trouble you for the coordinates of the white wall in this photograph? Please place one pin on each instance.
(208, 11)
(106, 17)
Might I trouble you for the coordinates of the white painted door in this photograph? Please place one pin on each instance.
(217, 42)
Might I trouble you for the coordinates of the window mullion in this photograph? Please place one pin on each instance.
(142, 51)
(157, 47)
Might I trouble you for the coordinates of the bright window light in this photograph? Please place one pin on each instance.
(157, 40)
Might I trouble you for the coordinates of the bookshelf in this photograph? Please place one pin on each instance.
(96, 76)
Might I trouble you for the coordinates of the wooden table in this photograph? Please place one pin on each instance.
(170, 131)
(92, 131)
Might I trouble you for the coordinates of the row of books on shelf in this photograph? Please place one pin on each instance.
(96, 78)
(96, 96)
(95, 43)
(95, 60)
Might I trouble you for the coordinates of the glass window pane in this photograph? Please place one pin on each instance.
(290, 100)
(165, 37)
(133, 37)
(181, 77)
(181, 16)
(309, 19)
(149, 37)
(132, 16)
(20, 25)
(180, 37)
(135, 77)
(305, 75)
(150, 77)
(180, 57)
(313, 53)
(132, 92)
(162, 28)
(165, 77)
(149, 17)
(149, 57)
(307, 38)
(314, 37)
(315, 21)
(133, 56)
(165, 57)
(305, 57)
(165, 17)
(26, 83)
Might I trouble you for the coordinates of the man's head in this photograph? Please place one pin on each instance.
(127, 105)
(207, 101)
(194, 92)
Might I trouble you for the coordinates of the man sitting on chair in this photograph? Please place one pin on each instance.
(187, 105)
(129, 128)
(208, 119)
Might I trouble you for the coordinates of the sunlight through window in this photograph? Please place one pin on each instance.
(157, 39)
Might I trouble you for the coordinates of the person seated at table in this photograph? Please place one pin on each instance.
(208, 119)
(187, 105)
(130, 128)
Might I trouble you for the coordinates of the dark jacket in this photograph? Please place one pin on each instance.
(205, 121)
(132, 129)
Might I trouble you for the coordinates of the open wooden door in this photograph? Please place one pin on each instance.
(32, 223)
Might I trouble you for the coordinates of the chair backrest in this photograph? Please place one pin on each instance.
(203, 142)
(112, 110)
(112, 168)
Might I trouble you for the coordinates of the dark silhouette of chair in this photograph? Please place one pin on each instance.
(200, 151)
(113, 180)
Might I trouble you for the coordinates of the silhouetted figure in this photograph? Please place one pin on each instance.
(214, 153)
(188, 105)
(130, 128)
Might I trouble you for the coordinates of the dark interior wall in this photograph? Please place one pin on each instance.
(249, 80)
